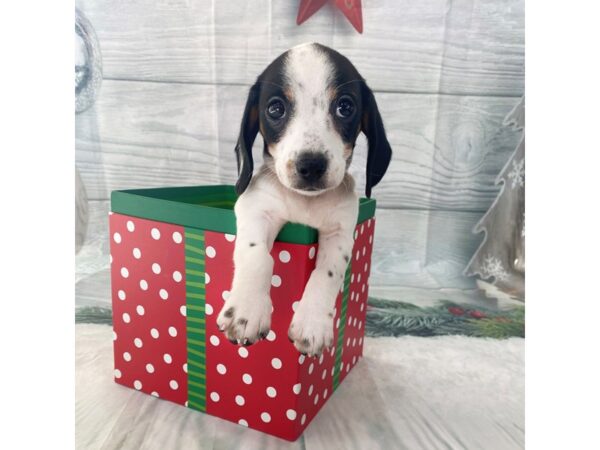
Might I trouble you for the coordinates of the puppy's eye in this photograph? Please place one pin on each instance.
(345, 107)
(276, 109)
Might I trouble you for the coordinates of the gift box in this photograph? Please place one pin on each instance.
(171, 269)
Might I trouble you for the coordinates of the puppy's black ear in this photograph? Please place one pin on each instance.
(248, 132)
(380, 152)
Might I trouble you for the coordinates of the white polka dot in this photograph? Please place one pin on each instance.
(121, 295)
(143, 285)
(266, 417)
(325, 393)
(214, 396)
(360, 341)
(114, 335)
(362, 306)
(303, 419)
(371, 239)
(311, 368)
(284, 256)
(140, 310)
(177, 238)
(126, 318)
(211, 252)
(332, 370)
(276, 281)
(271, 336)
(167, 358)
(149, 368)
(311, 252)
(301, 359)
(117, 238)
(355, 234)
(290, 414)
(296, 388)
(137, 253)
(209, 309)
(243, 352)
(366, 266)
(137, 384)
(362, 229)
(214, 340)
(271, 392)
(184, 367)
(138, 342)
(117, 373)
(163, 294)
(155, 233)
(206, 278)
(295, 305)
(155, 394)
(337, 323)
(324, 374)
(310, 390)
(124, 272)
(357, 255)
(321, 358)
(316, 399)
(354, 322)
(363, 288)
(172, 331)
(127, 356)
(349, 320)
(130, 226)
(154, 333)
(173, 384)
(364, 251)
(354, 359)
(348, 368)
(156, 268)
(276, 363)
(352, 278)
(230, 237)
(240, 400)
(183, 310)
(354, 342)
(247, 378)
(221, 369)
(359, 325)
(332, 351)
(225, 295)
(177, 276)
(243, 422)
(358, 278)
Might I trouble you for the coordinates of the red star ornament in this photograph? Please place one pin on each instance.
(352, 9)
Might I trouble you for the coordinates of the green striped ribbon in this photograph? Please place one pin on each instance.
(340, 341)
(195, 306)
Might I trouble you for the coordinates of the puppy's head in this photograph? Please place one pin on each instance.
(310, 104)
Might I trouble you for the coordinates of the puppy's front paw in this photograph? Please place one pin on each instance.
(311, 329)
(245, 319)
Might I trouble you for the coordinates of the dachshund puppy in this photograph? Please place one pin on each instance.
(309, 105)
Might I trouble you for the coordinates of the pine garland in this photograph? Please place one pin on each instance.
(395, 318)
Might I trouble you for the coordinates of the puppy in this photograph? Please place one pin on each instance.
(309, 105)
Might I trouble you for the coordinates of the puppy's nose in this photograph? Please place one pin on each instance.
(311, 166)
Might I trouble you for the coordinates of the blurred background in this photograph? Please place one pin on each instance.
(162, 85)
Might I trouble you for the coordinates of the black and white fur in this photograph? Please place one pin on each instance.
(310, 104)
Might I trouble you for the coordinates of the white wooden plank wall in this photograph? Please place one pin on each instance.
(445, 73)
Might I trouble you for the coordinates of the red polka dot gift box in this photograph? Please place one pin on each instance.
(171, 269)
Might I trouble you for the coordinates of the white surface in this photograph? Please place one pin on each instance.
(415, 393)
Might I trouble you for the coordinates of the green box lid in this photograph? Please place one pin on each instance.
(207, 208)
